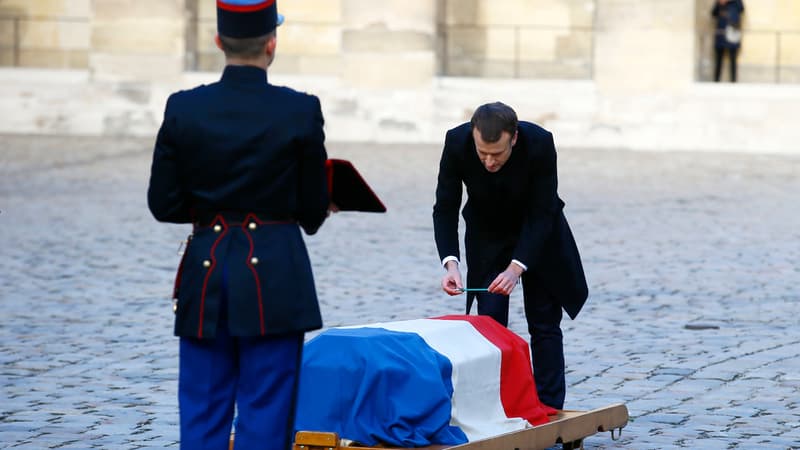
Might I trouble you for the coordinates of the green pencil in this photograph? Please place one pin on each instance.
(473, 289)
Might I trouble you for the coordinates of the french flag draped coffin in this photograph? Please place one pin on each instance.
(446, 380)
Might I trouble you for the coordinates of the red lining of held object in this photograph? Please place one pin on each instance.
(329, 175)
(330, 169)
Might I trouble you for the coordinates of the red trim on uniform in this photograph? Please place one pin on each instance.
(246, 230)
(244, 8)
(208, 273)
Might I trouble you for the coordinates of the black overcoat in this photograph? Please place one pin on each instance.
(243, 160)
(514, 213)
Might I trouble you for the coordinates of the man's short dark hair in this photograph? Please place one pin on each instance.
(244, 47)
(492, 119)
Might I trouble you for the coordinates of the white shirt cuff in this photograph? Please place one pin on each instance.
(448, 259)
(524, 267)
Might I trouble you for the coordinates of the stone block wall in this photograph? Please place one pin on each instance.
(116, 39)
(643, 45)
(389, 44)
(516, 38)
(364, 41)
(45, 33)
(789, 54)
(137, 40)
(310, 41)
(519, 39)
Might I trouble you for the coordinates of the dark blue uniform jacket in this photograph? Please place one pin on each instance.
(514, 213)
(242, 160)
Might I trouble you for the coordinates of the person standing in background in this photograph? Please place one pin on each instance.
(727, 34)
(243, 161)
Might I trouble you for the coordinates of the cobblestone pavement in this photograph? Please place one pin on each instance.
(693, 263)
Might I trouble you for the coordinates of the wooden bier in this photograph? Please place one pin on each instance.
(567, 427)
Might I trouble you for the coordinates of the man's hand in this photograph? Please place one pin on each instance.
(451, 282)
(506, 281)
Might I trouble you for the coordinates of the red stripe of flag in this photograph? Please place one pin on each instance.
(517, 386)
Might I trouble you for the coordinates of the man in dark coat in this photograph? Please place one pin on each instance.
(244, 162)
(515, 230)
(727, 34)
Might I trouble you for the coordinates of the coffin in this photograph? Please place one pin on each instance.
(446, 380)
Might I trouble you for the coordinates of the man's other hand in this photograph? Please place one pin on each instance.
(451, 282)
(506, 281)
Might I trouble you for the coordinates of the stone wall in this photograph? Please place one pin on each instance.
(358, 39)
(310, 39)
(137, 40)
(45, 33)
(518, 39)
(623, 72)
(643, 45)
(754, 117)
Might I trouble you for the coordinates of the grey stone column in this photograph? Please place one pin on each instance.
(137, 40)
(644, 45)
(389, 43)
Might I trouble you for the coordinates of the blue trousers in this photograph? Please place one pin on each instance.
(258, 375)
(543, 314)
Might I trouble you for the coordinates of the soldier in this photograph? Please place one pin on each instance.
(243, 161)
(515, 230)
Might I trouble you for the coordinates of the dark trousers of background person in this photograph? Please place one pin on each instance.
(543, 314)
(719, 53)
